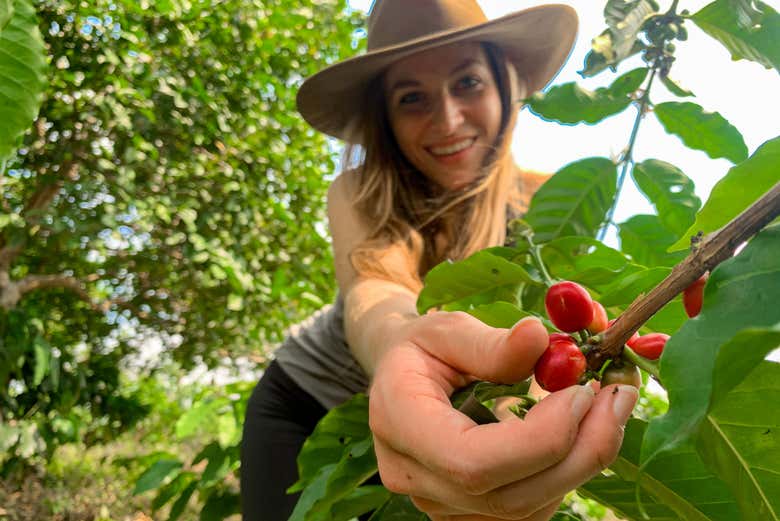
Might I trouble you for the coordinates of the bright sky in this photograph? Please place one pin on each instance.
(744, 92)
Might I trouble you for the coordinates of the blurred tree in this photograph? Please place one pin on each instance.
(167, 189)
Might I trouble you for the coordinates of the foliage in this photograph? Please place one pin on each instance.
(214, 421)
(165, 191)
(711, 452)
(21, 72)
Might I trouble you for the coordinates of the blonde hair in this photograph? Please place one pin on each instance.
(407, 214)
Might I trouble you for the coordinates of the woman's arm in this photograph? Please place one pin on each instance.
(376, 311)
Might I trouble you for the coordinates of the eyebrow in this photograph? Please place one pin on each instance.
(403, 83)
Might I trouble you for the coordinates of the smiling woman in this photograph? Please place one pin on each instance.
(429, 111)
(444, 109)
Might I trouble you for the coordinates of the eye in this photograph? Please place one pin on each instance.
(469, 82)
(410, 98)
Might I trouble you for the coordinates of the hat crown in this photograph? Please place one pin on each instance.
(389, 23)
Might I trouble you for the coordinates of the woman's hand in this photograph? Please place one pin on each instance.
(515, 469)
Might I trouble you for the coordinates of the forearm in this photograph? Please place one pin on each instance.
(377, 313)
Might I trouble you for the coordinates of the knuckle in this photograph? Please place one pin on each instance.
(447, 320)
(393, 480)
(466, 475)
(375, 423)
(498, 507)
(427, 506)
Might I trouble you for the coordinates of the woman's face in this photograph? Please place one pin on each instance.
(445, 111)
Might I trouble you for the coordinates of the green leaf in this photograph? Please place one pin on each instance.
(619, 41)
(646, 240)
(584, 260)
(177, 509)
(670, 191)
(677, 486)
(750, 30)
(398, 508)
(625, 289)
(218, 462)
(315, 489)
(625, 19)
(42, 358)
(359, 501)
(700, 130)
(574, 201)
(332, 438)
(669, 319)
(602, 55)
(738, 438)
(22, 72)
(480, 272)
(738, 189)
(740, 294)
(156, 474)
(169, 491)
(570, 104)
(6, 12)
(336, 481)
(220, 506)
(483, 391)
(675, 87)
(499, 314)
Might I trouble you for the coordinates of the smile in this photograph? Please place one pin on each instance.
(453, 148)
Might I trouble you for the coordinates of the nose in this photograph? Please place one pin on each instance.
(447, 115)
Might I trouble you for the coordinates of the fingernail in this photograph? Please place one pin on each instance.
(583, 399)
(625, 399)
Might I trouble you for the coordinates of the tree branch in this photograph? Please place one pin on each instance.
(11, 292)
(707, 253)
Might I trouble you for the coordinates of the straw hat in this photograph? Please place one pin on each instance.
(536, 41)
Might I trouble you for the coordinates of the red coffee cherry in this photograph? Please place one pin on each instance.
(600, 319)
(650, 346)
(561, 336)
(631, 340)
(693, 296)
(569, 306)
(622, 373)
(560, 366)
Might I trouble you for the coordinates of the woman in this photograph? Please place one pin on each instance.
(429, 111)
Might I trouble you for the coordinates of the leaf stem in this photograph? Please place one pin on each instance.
(648, 366)
(627, 159)
(537, 258)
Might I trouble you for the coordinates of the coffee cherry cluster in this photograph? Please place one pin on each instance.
(572, 310)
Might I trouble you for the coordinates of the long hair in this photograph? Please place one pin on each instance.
(407, 215)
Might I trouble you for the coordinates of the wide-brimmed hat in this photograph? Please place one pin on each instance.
(536, 41)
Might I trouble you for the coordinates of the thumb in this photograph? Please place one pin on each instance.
(472, 347)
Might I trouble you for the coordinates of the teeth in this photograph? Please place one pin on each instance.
(451, 149)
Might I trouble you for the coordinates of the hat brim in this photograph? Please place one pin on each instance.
(537, 41)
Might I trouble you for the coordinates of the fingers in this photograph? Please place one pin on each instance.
(437, 511)
(530, 482)
(440, 453)
(471, 347)
(597, 445)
